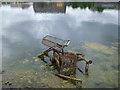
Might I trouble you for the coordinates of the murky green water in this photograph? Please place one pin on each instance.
(92, 31)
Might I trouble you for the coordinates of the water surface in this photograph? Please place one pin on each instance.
(92, 31)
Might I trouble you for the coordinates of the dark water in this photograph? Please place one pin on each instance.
(92, 31)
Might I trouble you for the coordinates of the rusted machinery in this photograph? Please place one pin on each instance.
(64, 62)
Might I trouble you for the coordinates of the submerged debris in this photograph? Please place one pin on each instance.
(1, 72)
(8, 83)
(64, 62)
(67, 77)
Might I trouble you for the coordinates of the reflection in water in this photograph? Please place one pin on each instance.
(60, 7)
(51, 7)
(94, 6)
(92, 33)
(22, 5)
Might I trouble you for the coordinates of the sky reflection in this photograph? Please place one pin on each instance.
(21, 26)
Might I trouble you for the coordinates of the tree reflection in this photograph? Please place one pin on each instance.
(94, 6)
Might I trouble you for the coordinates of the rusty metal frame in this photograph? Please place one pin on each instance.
(63, 60)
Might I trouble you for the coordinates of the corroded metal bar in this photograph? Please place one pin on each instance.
(67, 77)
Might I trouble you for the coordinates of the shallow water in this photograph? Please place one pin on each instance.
(91, 32)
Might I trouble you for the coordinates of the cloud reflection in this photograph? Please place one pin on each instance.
(26, 27)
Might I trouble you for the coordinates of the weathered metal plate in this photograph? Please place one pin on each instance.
(55, 42)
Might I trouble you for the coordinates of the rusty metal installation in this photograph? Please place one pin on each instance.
(64, 62)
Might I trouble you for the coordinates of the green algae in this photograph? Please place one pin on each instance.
(104, 70)
(34, 73)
